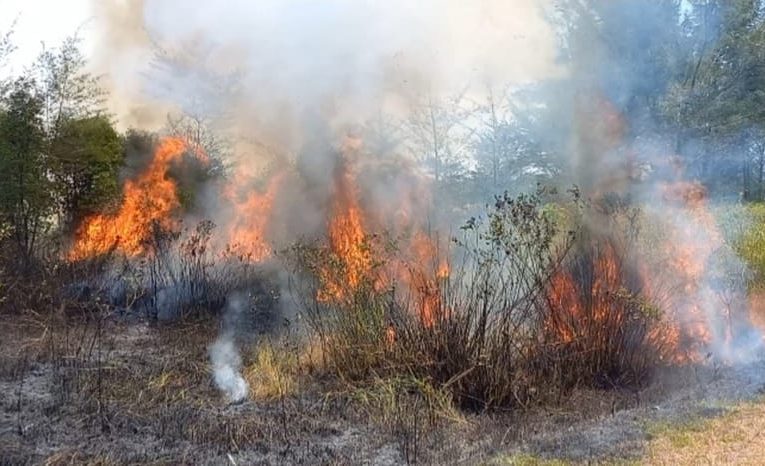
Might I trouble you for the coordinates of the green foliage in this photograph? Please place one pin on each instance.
(25, 191)
(751, 245)
(87, 154)
(723, 87)
(69, 91)
(58, 153)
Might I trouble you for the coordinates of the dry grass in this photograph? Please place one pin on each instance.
(527, 460)
(280, 367)
(735, 438)
(390, 401)
(152, 388)
(469, 335)
(501, 330)
(144, 395)
(738, 437)
(272, 373)
(69, 458)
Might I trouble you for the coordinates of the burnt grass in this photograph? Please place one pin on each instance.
(87, 390)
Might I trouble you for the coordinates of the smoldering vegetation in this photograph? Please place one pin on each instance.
(434, 226)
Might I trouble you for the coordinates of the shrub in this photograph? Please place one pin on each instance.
(599, 327)
(477, 334)
(532, 311)
(750, 243)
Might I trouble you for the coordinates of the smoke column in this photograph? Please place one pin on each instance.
(294, 76)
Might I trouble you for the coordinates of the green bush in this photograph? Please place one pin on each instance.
(750, 245)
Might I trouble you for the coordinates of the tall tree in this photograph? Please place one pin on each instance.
(718, 103)
(25, 190)
(439, 137)
(68, 90)
(6, 49)
(507, 146)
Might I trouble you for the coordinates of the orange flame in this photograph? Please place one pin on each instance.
(418, 270)
(677, 270)
(246, 233)
(688, 246)
(691, 246)
(580, 310)
(150, 199)
(347, 240)
(426, 271)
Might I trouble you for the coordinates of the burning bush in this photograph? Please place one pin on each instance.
(484, 339)
(350, 318)
(599, 327)
(535, 308)
(468, 332)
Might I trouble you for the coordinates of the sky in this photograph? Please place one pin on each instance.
(44, 21)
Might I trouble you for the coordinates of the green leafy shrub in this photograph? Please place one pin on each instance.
(751, 244)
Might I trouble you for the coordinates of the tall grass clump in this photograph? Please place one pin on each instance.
(535, 304)
(750, 243)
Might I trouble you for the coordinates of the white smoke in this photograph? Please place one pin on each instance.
(341, 58)
(224, 355)
(303, 71)
(226, 366)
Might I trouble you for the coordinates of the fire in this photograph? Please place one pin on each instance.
(149, 200)
(426, 271)
(676, 270)
(599, 290)
(591, 301)
(246, 234)
(691, 246)
(415, 270)
(347, 241)
(564, 296)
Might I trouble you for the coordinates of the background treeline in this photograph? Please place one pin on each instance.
(690, 73)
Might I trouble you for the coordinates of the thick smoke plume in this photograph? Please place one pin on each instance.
(282, 85)
(284, 92)
(339, 58)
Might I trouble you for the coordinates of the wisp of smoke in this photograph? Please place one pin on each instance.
(224, 355)
(226, 366)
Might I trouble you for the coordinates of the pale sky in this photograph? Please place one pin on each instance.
(48, 21)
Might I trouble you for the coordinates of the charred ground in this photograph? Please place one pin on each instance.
(108, 392)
